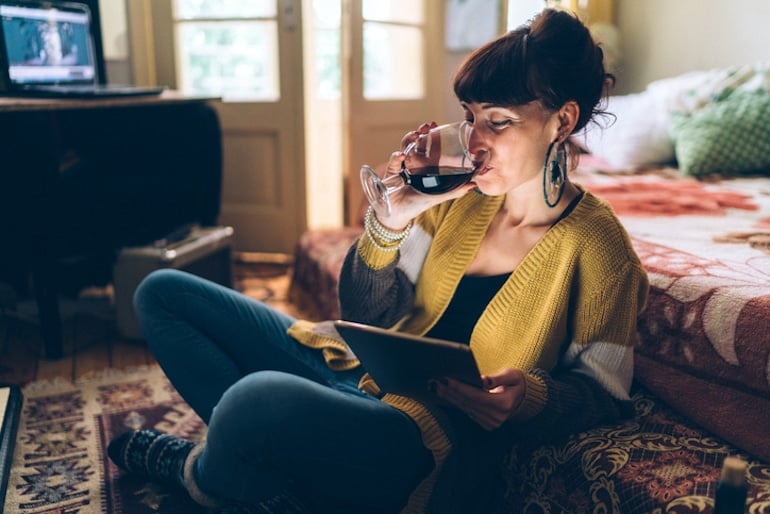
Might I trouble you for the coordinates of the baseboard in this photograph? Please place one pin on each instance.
(10, 411)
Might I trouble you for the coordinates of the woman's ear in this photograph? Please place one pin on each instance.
(568, 118)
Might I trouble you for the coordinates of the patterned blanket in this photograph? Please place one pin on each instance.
(655, 463)
(704, 339)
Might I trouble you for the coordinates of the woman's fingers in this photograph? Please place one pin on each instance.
(409, 138)
(412, 136)
(489, 408)
(395, 161)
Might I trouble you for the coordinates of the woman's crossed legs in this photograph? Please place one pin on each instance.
(277, 414)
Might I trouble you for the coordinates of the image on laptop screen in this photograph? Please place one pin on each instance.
(46, 44)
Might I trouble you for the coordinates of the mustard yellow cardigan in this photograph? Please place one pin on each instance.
(569, 310)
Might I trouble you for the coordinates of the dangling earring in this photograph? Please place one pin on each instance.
(554, 173)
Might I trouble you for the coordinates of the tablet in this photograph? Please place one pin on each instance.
(403, 363)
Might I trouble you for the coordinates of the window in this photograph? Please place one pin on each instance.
(393, 49)
(521, 11)
(228, 48)
(327, 16)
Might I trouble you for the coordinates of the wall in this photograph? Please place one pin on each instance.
(115, 40)
(665, 38)
(452, 110)
(114, 33)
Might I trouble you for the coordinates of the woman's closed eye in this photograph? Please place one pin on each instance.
(499, 124)
(493, 124)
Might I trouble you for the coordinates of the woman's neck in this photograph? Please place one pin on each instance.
(525, 206)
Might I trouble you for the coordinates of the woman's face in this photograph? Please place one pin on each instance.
(511, 142)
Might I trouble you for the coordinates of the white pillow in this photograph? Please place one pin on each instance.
(639, 136)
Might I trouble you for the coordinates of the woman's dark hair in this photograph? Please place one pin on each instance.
(553, 58)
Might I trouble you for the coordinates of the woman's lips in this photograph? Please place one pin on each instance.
(483, 170)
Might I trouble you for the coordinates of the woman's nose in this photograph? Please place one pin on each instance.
(477, 146)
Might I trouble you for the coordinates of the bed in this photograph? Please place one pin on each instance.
(704, 339)
(702, 229)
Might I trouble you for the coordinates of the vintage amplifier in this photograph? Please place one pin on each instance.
(203, 251)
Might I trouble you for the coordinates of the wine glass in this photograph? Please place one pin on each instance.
(435, 163)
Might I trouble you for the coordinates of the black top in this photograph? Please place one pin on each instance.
(469, 301)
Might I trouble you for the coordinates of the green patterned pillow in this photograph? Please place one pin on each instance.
(730, 137)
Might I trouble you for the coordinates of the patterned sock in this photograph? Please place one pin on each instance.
(151, 453)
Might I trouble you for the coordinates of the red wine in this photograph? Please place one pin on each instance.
(435, 180)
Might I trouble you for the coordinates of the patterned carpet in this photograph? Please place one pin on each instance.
(60, 464)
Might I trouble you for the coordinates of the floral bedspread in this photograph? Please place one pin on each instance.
(704, 338)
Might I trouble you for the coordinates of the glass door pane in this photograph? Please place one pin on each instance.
(196, 9)
(228, 48)
(325, 52)
(393, 62)
(397, 11)
(393, 38)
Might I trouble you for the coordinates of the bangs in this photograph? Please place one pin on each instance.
(496, 74)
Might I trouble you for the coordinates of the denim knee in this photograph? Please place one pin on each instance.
(157, 281)
(266, 396)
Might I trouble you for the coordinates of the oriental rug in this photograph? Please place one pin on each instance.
(60, 464)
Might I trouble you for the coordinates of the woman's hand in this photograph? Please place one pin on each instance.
(408, 205)
(489, 407)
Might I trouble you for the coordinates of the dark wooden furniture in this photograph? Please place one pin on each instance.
(79, 179)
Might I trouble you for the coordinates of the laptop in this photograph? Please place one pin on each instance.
(47, 49)
(403, 363)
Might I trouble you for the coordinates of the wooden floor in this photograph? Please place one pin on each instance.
(91, 338)
(91, 344)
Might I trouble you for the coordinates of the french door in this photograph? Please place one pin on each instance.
(279, 133)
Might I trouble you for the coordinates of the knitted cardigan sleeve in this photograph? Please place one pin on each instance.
(377, 287)
(373, 296)
(576, 402)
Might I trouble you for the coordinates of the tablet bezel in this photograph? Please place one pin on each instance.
(404, 364)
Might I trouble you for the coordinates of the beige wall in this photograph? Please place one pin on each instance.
(115, 40)
(452, 110)
(665, 38)
(114, 33)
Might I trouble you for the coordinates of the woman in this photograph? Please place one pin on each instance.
(532, 271)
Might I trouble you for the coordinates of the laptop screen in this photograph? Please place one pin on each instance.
(47, 44)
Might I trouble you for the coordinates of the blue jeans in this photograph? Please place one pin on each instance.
(276, 413)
